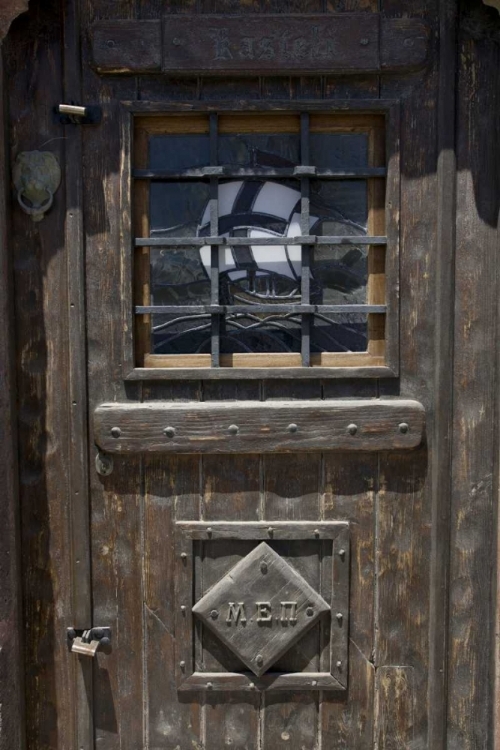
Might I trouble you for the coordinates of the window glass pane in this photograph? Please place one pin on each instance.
(181, 334)
(257, 332)
(176, 152)
(177, 208)
(339, 275)
(341, 206)
(342, 332)
(338, 151)
(178, 277)
(260, 150)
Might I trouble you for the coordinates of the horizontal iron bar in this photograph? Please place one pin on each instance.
(233, 241)
(265, 172)
(255, 308)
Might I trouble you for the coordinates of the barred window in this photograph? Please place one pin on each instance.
(260, 240)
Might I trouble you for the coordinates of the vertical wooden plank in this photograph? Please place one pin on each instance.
(117, 500)
(292, 486)
(78, 414)
(443, 379)
(12, 732)
(395, 699)
(231, 491)
(475, 393)
(350, 487)
(33, 74)
(404, 503)
(118, 597)
(171, 490)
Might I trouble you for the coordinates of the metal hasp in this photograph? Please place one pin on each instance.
(36, 176)
(88, 642)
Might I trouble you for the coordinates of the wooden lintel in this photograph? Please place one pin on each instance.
(289, 44)
(277, 426)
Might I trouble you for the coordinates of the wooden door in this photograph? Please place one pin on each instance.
(259, 373)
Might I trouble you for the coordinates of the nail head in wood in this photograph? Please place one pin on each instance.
(352, 429)
(292, 428)
(403, 428)
(115, 432)
(169, 432)
(233, 429)
(214, 614)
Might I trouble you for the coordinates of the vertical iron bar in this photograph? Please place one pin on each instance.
(214, 250)
(306, 249)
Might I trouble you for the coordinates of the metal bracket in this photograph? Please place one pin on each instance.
(88, 642)
(75, 114)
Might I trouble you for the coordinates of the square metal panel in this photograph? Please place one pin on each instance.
(261, 606)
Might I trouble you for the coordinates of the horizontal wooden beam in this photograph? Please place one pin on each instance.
(275, 426)
(346, 43)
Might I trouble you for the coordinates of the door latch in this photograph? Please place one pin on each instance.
(88, 642)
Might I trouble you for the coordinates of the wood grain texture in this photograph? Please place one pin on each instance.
(12, 732)
(248, 428)
(395, 699)
(330, 43)
(473, 499)
(41, 329)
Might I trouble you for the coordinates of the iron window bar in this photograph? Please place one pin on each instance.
(303, 309)
(230, 241)
(231, 172)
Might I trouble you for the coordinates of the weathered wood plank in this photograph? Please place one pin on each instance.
(328, 43)
(12, 732)
(395, 697)
(475, 396)
(350, 486)
(171, 487)
(267, 427)
(32, 53)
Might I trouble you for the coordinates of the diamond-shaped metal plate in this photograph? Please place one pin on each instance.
(260, 608)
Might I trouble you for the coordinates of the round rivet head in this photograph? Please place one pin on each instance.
(342, 553)
(340, 616)
(309, 611)
(352, 429)
(209, 685)
(183, 608)
(233, 429)
(169, 432)
(263, 567)
(259, 660)
(115, 432)
(403, 428)
(214, 614)
(270, 531)
(292, 428)
(183, 555)
(339, 665)
(182, 664)
(209, 531)
(314, 683)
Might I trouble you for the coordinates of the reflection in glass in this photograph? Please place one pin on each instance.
(339, 332)
(181, 334)
(176, 208)
(176, 152)
(339, 204)
(260, 150)
(178, 277)
(338, 150)
(250, 332)
(339, 275)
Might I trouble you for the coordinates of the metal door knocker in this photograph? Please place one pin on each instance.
(36, 177)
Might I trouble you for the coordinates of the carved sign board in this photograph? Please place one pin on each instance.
(260, 608)
(221, 45)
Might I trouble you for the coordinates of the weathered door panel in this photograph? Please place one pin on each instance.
(383, 496)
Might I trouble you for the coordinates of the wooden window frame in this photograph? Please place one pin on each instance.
(139, 119)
